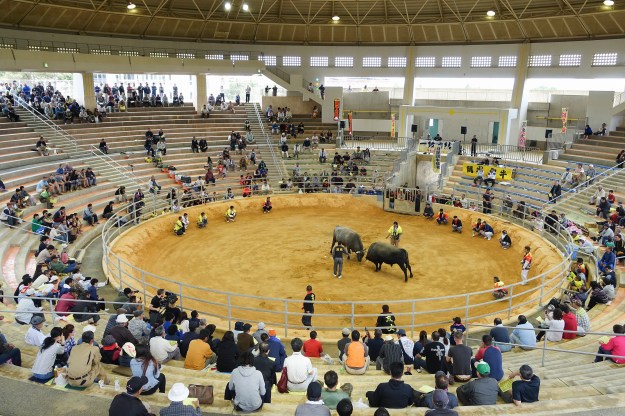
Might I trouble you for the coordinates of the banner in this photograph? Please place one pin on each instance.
(523, 134)
(436, 160)
(565, 118)
(392, 125)
(349, 123)
(503, 173)
(337, 109)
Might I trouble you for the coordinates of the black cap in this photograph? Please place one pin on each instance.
(135, 384)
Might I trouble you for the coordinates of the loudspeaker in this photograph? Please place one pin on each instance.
(414, 128)
(548, 133)
(342, 124)
(463, 130)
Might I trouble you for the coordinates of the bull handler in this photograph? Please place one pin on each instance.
(337, 255)
(395, 233)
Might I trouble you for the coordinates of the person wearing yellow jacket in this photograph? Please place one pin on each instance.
(394, 233)
(178, 227)
(231, 214)
(202, 221)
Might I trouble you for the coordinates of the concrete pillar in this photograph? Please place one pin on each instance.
(200, 98)
(84, 92)
(409, 76)
(520, 94)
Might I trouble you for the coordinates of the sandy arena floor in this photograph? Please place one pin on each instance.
(276, 255)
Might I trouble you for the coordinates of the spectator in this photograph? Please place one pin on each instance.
(199, 354)
(266, 367)
(261, 330)
(395, 394)
(314, 405)
(570, 322)
(9, 352)
(525, 390)
(330, 395)
(523, 335)
(555, 325)
(110, 350)
(144, 364)
(460, 358)
(245, 341)
(121, 333)
(374, 344)
(227, 353)
(300, 372)
(26, 308)
(386, 321)
(83, 366)
(500, 335)
(615, 346)
(177, 395)
(483, 391)
(276, 350)
(139, 328)
(597, 295)
(390, 353)
(491, 355)
(407, 347)
(53, 345)
(344, 407)
(434, 353)
(357, 356)
(189, 336)
(607, 260)
(247, 385)
(89, 216)
(312, 347)
(441, 381)
(341, 343)
(440, 403)
(162, 349)
(128, 402)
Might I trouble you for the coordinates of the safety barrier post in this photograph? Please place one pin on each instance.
(542, 289)
(542, 361)
(466, 309)
(119, 270)
(510, 295)
(353, 320)
(180, 294)
(412, 324)
(286, 318)
(143, 284)
(229, 313)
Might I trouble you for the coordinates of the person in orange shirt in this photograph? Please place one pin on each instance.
(442, 217)
(312, 347)
(526, 263)
(200, 353)
(356, 359)
(500, 289)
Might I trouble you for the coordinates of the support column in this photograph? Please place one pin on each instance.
(200, 97)
(84, 92)
(409, 76)
(519, 94)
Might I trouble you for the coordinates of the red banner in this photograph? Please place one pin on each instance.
(337, 109)
(565, 118)
(349, 123)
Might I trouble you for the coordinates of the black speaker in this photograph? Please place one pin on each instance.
(414, 128)
(548, 133)
(342, 124)
(463, 130)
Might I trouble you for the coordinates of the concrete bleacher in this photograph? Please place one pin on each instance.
(600, 150)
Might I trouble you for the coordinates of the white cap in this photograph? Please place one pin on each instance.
(91, 328)
(54, 278)
(121, 319)
(178, 392)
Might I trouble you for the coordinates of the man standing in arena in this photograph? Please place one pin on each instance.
(386, 321)
(309, 307)
(395, 233)
(526, 263)
(337, 255)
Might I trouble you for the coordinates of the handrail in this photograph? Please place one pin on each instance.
(505, 152)
(128, 275)
(57, 130)
(283, 75)
(586, 185)
(277, 164)
(125, 171)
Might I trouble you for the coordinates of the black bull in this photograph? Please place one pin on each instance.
(379, 253)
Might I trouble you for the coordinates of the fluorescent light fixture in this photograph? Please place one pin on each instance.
(336, 18)
(245, 7)
(131, 6)
(490, 13)
(608, 2)
(227, 5)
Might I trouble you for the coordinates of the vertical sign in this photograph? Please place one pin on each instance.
(337, 109)
(393, 125)
(349, 122)
(436, 160)
(565, 117)
(523, 134)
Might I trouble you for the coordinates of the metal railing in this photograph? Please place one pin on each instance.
(504, 152)
(619, 98)
(55, 316)
(279, 166)
(378, 143)
(283, 75)
(122, 173)
(45, 123)
(284, 313)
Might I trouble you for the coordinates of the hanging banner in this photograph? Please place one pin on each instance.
(349, 123)
(565, 118)
(523, 134)
(503, 173)
(337, 109)
(392, 125)
(436, 160)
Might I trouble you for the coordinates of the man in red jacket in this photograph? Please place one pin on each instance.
(570, 322)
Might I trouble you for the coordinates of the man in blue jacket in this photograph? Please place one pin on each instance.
(395, 394)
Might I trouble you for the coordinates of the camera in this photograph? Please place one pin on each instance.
(169, 298)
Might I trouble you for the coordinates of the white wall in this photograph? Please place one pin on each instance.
(599, 109)
(381, 126)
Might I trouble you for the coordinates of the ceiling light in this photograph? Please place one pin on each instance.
(336, 18)
(245, 7)
(227, 5)
(608, 2)
(490, 13)
(131, 6)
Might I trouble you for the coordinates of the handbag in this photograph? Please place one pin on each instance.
(282, 383)
(204, 394)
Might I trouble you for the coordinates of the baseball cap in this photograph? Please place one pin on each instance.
(138, 313)
(135, 384)
(346, 331)
(89, 328)
(272, 332)
(36, 320)
(440, 398)
(401, 332)
(130, 349)
(121, 319)
(261, 325)
(482, 367)
(388, 338)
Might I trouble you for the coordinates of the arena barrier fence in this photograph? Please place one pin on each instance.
(333, 315)
(505, 152)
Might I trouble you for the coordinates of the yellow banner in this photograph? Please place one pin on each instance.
(503, 173)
